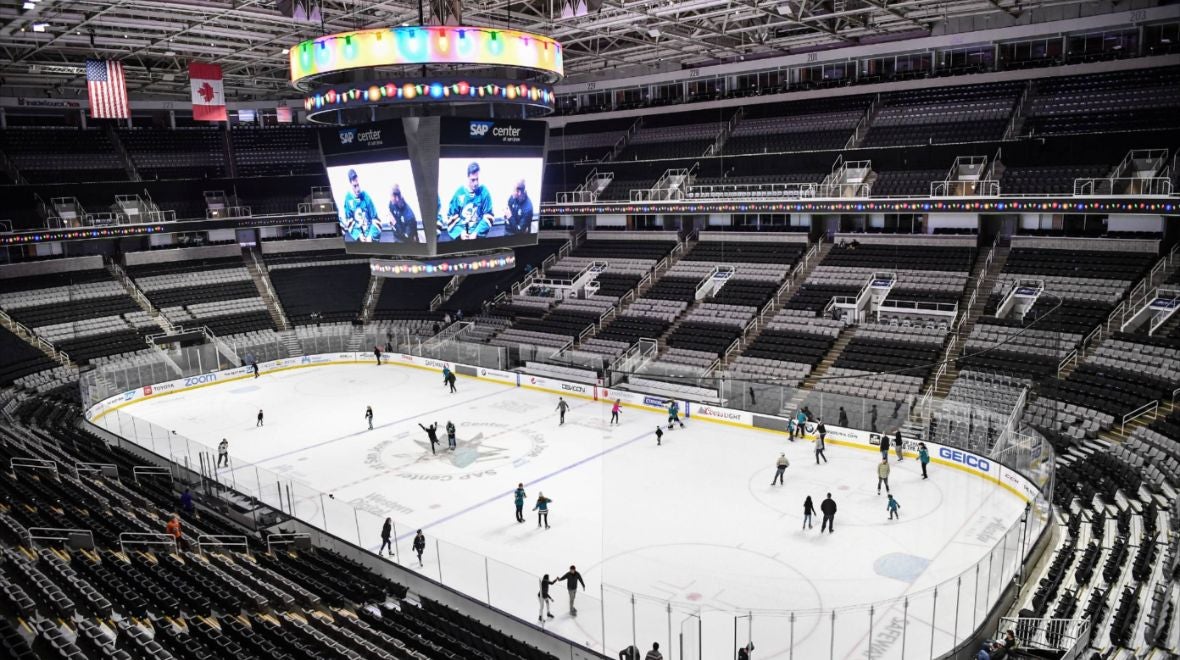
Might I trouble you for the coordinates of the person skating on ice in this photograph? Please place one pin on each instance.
(450, 379)
(614, 411)
(386, 529)
(542, 509)
(884, 447)
(451, 435)
(377, 354)
(659, 435)
(808, 512)
(828, 508)
(562, 407)
(518, 497)
(800, 424)
(572, 579)
(259, 422)
(897, 445)
(369, 416)
(843, 420)
(674, 414)
(923, 457)
(780, 466)
(446, 373)
(432, 433)
(254, 368)
(545, 599)
(419, 546)
(883, 475)
(223, 452)
(892, 506)
(820, 446)
(821, 429)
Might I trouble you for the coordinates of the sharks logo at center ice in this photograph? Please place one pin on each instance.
(482, 448)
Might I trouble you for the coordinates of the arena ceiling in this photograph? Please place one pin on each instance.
(43, 42)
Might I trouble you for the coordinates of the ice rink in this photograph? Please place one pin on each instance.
(694, 522)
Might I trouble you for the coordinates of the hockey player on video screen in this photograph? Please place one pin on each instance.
(519, 217)
(403, 225)
(469, 214)
(358, 208)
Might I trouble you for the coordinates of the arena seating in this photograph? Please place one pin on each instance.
(20, 359)
(330, 285)
(1115, 101)
(979, 112)
(789, 347)
(96, 603)
(50, 155)
(195, 153)
(275, 151)
(798, 126)
(477, 289)
(215, 293)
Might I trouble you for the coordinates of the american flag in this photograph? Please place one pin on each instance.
(108, 90)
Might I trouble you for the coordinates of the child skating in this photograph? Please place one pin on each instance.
(892, 506)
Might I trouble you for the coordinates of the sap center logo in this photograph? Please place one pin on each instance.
(347, 136)
(480, 128)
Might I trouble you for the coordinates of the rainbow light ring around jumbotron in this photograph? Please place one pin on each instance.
(414, 45)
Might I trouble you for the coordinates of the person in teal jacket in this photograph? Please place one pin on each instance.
(542, 509)
(519, 496)
(892, 506)
(800, 424)
(357, 205)
(923, 457)
(674, 414)
(469, 215)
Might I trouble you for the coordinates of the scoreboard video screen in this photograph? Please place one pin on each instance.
(436, 185)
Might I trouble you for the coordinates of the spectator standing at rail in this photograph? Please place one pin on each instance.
(843, 419)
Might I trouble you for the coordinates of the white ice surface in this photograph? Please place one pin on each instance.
(694, 521)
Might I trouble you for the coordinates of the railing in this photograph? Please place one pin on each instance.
(918, 306)
(1149, 408)
(1122, 186)
(957, 188)
(1010, 129)
(59, 534)
(145, 538)
(1070, 358)
(862, 125)
(578, 196)
(229, 212)
(272, 297)
(1069, 635)
(232, 541)
(746, 190)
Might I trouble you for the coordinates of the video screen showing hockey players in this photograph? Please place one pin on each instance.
(377, 203)
(488, 199)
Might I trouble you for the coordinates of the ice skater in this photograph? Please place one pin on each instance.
(518, 496)
(450, 380)
(419, 546)
(562, 406)
(884, 447)
(542, 509)
(451, 435)
(820, 446)
(800, 424)
(386, 544)
(369, 416)
(446, 375)
(828, 508)
(545, 599)
(883, 475)
(892, 506)
(780, 467)
(377, 354)
(432, 433)
(674, 414)
(923, 457)
(659, 435)
(873, 419)
(843, 420)
(897, 446)
(572, 579)
(254, 368)
(614, 411)
(821, 429)
(223, 452)
(808, 512)
(259, 422)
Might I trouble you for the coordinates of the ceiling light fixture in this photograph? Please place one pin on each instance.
(286, 51)
(40, 27)
(29, 5)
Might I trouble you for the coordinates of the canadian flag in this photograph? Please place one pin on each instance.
(208, 95)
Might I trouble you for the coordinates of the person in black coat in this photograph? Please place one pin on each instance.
(572, 579)
(419, 545)
(828, 508)
(385, 542)
(544, 598)
(432, 433)
(884, 447)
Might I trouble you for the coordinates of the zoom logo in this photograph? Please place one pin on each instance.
(963, 458)
(200, 380)
(480, 128)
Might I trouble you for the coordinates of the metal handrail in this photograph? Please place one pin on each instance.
(145, 538)
(1147, 408)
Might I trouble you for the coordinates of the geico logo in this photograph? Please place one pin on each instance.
(198, 380)
(970, 460)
